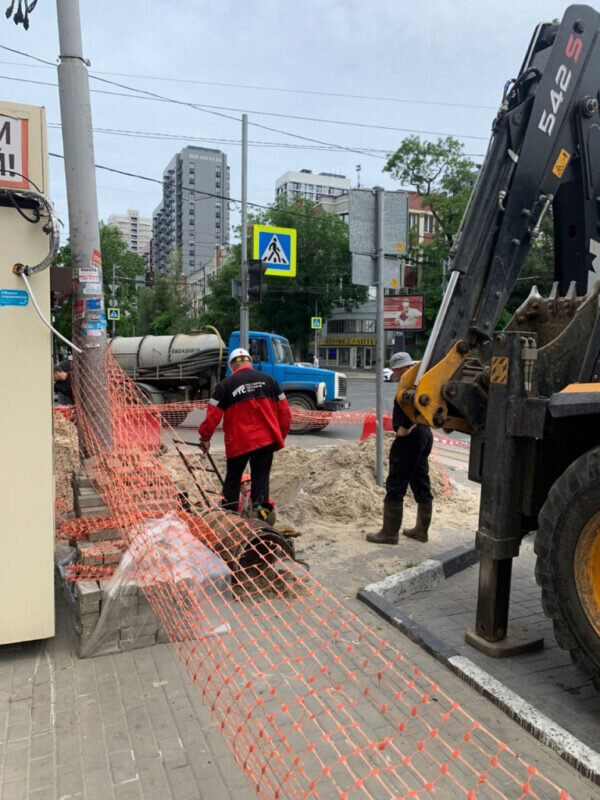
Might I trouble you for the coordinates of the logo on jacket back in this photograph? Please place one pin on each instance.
(248, 388)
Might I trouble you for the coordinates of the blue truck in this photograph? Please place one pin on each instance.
(186, 367)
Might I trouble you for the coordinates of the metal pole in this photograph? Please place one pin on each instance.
(78, 146)
(244, 315)
(317, 331)
(379, 333)
(113, 298)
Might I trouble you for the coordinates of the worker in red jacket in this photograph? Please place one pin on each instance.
(256, 419)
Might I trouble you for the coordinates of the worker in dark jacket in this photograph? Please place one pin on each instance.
(256, 419)
(408, 467)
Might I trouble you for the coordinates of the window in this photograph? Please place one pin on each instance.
(335, 326)
(192, 167)
(218, 170)
(218, 239)
(295, 186)
(282, 351)
(368, 326)
(413, 221)
(429, 223)
(258, 348)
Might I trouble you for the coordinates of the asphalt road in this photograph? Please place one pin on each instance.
(361, 395)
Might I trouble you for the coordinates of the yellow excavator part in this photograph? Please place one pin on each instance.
(587, 570)
(428, 406)
(575, 388)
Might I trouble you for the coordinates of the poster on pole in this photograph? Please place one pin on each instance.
(404, 312)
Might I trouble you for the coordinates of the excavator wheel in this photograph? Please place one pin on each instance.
(567, 545)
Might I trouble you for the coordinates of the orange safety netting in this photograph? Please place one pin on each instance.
(312, 702)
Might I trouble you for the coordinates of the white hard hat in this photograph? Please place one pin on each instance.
(239, 353)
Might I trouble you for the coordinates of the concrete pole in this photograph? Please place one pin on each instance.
(379, 333)
(244, 309)
(89, 327)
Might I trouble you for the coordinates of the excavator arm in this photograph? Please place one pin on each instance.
(527, 393)
(544, 153)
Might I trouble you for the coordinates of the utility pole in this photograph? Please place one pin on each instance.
(89, 324)
(113, 298)
(379, 333)
(244, 309)
(317, 331)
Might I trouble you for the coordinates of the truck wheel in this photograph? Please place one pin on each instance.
(302, 402)
(568, 561)
(148, 394)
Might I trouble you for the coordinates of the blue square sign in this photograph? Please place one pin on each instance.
(276, 247)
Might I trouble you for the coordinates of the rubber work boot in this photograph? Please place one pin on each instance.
(419, 532)
(392, 522)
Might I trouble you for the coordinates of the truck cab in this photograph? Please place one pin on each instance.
(306, 388)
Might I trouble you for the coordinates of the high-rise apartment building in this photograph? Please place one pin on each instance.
(136, 230)
(310, 185)
(193, 216)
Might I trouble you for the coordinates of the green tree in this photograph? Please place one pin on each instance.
(223, 311)
(323, 277)
(127, 266)
(165, 308)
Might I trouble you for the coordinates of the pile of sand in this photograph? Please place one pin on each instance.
(66, 459)
(337, 484)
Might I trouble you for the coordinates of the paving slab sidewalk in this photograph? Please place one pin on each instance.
(132, 727)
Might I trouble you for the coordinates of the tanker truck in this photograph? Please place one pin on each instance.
(187, 367)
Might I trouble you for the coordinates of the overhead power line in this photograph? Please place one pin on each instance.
(283, 90)
(140, 94)
(211, 140)
(218, 111)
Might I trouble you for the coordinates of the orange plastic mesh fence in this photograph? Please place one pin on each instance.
(311, 701)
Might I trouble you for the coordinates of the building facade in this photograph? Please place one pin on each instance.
(136, 230)
(193, 217)
(348, 338)
(311, 186)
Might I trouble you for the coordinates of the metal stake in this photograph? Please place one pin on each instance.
(380, 349)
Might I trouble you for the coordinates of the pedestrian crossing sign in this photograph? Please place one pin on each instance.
(276, 247)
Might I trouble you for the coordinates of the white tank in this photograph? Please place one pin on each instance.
(146, 352)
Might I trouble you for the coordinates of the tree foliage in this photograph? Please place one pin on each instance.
(127, 266)
(165, 307)
(322, 282)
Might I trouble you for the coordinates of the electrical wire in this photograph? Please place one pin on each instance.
(283, 90)
(141, 94)
(43, 318)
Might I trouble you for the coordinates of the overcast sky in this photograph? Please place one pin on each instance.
(437, 67)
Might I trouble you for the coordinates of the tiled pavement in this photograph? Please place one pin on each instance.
(121, 727)
(132, 726)
(547, 678)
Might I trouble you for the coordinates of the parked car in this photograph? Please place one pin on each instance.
(387, 374)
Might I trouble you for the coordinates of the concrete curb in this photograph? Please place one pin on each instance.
(426, 575)
(568, 746)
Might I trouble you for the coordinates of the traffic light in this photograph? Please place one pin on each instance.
(256, 290)
(150, 278)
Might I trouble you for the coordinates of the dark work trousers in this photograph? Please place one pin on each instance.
(260, 468)
(409, 466)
